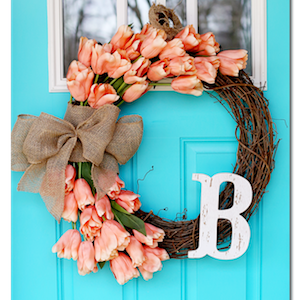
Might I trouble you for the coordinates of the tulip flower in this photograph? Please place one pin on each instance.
(70, 174)
(182, 66)
(207, 46)
(103, 208)
(136, 252)
(231, 61)
(101, 55)
(159, 70)
(112, 237)
(152, 263)
(101, 94)
(90, 223)
(154, 235)
(85, 50)
(115, 189)
(83, 193)
(214, 60)
(86, 262)
(70, 213)
(189, 37)
(187, 85)
(135, 91)
(122, 36)
(119, 66)
(153, 43)
(79, 82)
(137, 71)
(174, 48)
(129, 201)
(122, 268)
(132, 47)
(68, 245)
(206, 71)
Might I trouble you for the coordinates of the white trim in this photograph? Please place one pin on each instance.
(57, 83)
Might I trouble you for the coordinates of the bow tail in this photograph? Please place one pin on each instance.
(104, 175)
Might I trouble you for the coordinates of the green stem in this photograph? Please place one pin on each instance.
(81, 103)
(113, 81)
(123, 85)
(70, 99)
(96, 78)
(104, 219)
(105, 79)
(136, 59)
(73, 225)
(120, 103)
(79, 169)
(85, 103)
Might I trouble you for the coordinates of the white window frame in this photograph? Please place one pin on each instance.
(57, 82)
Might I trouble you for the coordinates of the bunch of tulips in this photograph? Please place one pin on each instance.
(130, 64)
(123, 70)
(104, 238)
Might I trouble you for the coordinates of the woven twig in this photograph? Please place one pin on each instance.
(255, 161)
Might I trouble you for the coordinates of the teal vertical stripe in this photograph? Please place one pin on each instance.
(4, 264)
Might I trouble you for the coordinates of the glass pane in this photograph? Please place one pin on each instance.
(138, 13)
(230, 21)
(94, 19)
(179, 8)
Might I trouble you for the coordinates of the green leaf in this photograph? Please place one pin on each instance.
(86, 174)
(116, 206)
(101, 264)
(117, 218)
(131, 221)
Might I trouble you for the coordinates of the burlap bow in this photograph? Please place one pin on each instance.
(42, 147)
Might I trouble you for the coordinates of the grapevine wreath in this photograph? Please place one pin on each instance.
(73, 163)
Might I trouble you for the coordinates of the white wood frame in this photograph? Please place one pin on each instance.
(57, 82)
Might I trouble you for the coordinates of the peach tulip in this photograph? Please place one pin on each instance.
(188, 85)
(101, 55)
(182, 66)
(206, 71)
(136, 252)
(154, 235)
(101, 94)
(137, 71)
(122, 36)
(208, 45)
(129, 201)
(112, 237)
(152, 263)
(85, 50)
(159, 70)
(86, 262)
(133, 46)
(231, 61)
(68, 245)
(153, 43)
(90, 223)
(189, 37)
(115, 189)
(70, 213)
(70, 174)
(214, 60)
(135, 91)
(103, 208)
(122, 268)
(174, 48)
(79, 82)
(120, 65)
(83, 193)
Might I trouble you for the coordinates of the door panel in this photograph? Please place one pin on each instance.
(182, 135)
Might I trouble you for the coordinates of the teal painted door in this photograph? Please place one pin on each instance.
(182, 135)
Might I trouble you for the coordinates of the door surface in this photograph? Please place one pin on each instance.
(182, 135)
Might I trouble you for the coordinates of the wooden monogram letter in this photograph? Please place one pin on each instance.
(210, 213)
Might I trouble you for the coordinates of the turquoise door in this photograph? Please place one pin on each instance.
(182, 135)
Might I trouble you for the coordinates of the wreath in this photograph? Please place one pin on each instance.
(73, 163)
